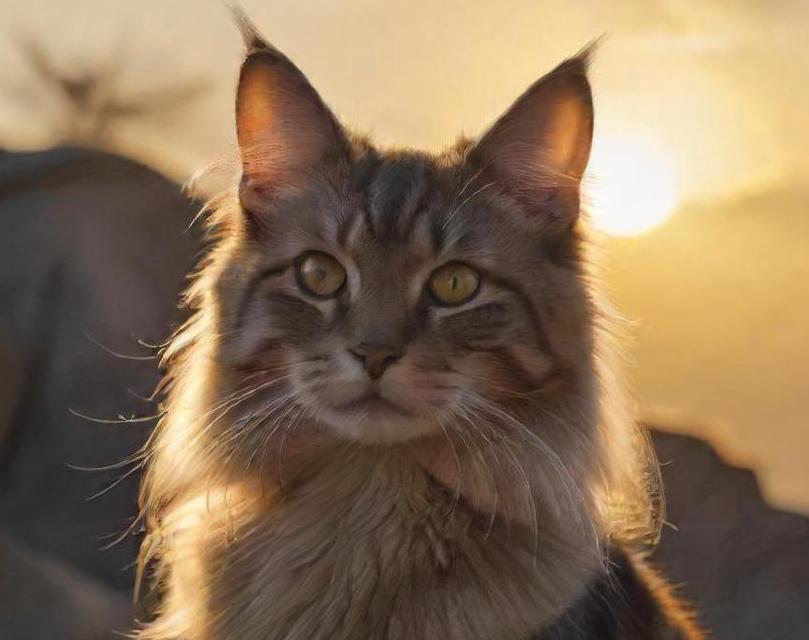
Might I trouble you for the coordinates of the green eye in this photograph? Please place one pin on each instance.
(454, 284)
(320, 275)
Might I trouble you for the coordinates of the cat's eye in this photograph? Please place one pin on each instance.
(320, 275)
(454, 284)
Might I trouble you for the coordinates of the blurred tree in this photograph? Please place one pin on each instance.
(91, 100)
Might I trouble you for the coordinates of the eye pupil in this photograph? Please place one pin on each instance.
(454, 283)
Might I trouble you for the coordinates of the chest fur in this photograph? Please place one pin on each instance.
(372, 549)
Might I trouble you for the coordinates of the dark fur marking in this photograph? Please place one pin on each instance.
(396, 194)
(300, 318)
(250, 289)
(361, 177)
(541, 337)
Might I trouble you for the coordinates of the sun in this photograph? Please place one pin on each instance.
(631, 185)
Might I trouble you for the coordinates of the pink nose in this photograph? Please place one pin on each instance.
(375, 357)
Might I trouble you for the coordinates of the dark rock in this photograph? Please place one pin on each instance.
(42, 598)
(744, 564)
(93, 253)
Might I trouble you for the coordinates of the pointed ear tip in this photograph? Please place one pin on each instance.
(579, 63)
(253, 40)
(589, 51)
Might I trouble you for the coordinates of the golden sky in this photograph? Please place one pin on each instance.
(720, 85)
(702, 110)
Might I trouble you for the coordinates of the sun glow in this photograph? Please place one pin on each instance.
(631, 185)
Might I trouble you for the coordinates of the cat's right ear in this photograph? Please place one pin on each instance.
(283, 127)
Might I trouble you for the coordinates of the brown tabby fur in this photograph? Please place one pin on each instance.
(490, 489)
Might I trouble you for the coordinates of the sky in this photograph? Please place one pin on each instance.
(720, 85)
(702, 132)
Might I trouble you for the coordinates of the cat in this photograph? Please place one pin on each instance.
(393, 415)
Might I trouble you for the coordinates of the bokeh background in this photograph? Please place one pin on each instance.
(699, 184)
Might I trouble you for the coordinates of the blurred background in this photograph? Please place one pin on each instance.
(698, 187)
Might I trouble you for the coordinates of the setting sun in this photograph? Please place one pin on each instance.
(631, 186)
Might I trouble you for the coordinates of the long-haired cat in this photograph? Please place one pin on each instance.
(392, 415)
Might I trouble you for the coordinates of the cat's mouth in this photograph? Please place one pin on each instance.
(372, 402)
(370, 416)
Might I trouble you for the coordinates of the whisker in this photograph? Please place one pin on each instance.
(114, 484)
(115, 353)
(568, 482)
(119, 420)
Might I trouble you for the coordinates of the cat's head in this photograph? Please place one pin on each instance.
(435, 311)
(439, 305)
(397, 295)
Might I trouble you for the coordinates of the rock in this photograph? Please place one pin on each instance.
(42, 598)
(93, 254)
(744, 564)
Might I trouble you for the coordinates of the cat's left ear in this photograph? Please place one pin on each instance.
(538, 150)
(284, 128)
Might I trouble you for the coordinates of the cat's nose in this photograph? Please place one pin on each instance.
(375, 357)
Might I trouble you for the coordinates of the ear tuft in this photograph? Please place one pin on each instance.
(253, 40)
(579, 63)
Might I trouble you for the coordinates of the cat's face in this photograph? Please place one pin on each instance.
(396, 299)
(391, 296)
